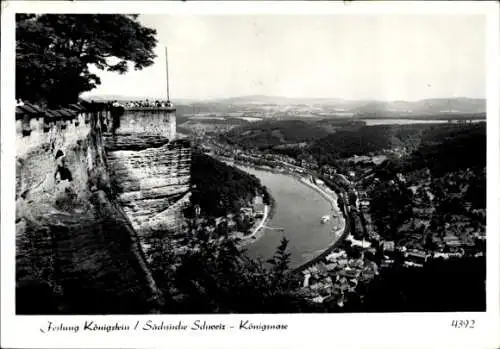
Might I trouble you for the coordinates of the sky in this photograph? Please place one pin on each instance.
(381, 57)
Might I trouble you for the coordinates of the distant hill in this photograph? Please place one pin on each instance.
(277, 100)
(359, 107)
(424, 106)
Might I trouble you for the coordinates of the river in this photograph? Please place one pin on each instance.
(299, 209)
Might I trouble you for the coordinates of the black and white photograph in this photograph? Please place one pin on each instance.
(241, 164)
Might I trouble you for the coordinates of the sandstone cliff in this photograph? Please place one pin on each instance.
(150, 171)
(76, 251)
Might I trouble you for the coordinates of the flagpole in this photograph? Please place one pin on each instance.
(166, 62)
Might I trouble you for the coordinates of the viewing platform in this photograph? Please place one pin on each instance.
(150, 109)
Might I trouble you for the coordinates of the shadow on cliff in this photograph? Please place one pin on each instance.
(82, 264)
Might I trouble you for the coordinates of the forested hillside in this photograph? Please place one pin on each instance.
(220, 189)
(365, 140)
(270, 133)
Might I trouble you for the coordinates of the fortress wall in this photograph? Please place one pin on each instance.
(62, 132)
(152, 122)
(35, 153)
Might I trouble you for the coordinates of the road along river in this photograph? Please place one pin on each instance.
(297, 216)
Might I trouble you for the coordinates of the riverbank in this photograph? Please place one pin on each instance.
(347, 229)
(327, 251)
(257, 231)
(345, 233)
(331, 198)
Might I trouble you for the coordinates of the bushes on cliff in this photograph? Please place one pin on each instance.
(54, 51)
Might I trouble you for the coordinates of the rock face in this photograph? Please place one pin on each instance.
(150, 170)
(76, 251)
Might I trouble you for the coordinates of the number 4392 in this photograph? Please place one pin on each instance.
(463, 323)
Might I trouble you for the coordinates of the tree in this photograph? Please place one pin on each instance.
(391, 207)
(55, 51)
(280, 264)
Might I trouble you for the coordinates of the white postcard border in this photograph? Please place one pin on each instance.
(415, 330)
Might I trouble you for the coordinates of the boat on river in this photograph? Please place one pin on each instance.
(325, 218)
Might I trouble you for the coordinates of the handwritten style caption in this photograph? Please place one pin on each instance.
(152, 326)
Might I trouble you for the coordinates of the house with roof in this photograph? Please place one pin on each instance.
(322, 270)
(418, 257)
(454, 244)
(423, 212)
(342, 263)
(365, 204)
(388, 246)
(356, 263)
(448, 238)
(318, 299)
(331, 266)
(353, 283)
(259, 209)
(349, 273)
(336, 255)
(315, 286)
(247, 211)
(452, 241)
(384, 263)
(412, 264)
(306, 280)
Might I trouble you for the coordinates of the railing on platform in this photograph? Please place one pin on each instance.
(169, 109)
